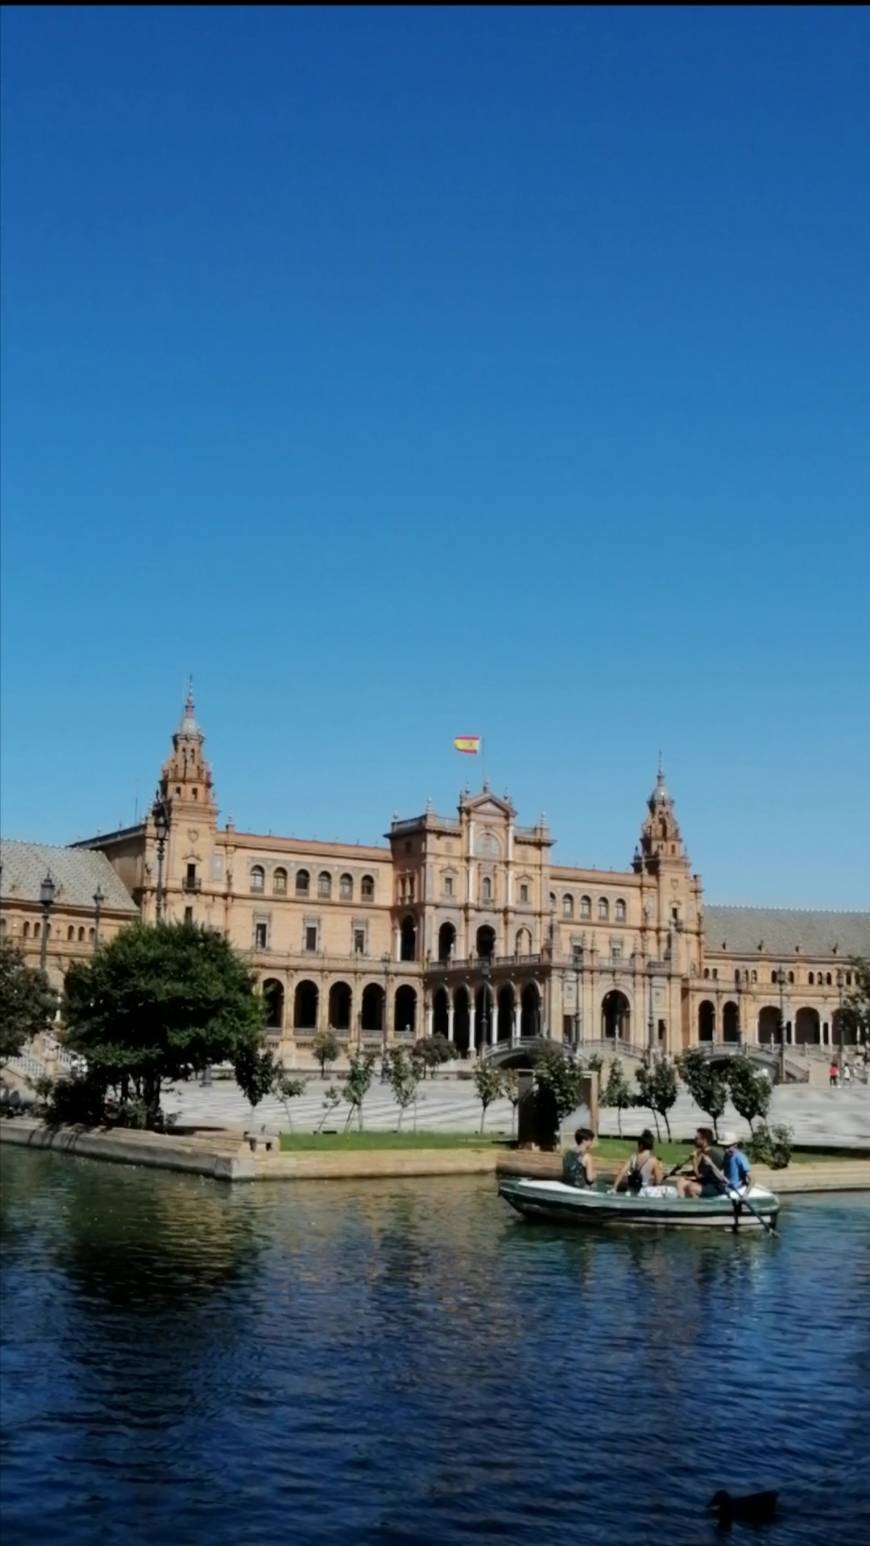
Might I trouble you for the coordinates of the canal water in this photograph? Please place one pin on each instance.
(407, 1361)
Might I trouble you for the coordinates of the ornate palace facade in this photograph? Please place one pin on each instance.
(464, 925)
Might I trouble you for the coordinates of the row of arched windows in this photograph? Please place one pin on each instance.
(814, 979)
(302, 884)
(619, 909)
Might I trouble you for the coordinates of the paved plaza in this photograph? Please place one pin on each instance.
(816, 1116)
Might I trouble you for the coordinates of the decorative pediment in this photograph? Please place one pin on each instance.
(489, 804)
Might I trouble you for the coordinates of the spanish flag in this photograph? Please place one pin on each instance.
(467, 743)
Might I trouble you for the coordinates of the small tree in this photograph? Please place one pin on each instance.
(706, 1084)
(511, 1078)
(616, 1092)
(771, 1146)
(432, 1051)
(27, 1003)
(853, 1019)
(557, 1089)
(404, 1077)
(489, 1083)
(257, 1074)
(325, 1049)
(658, 1089)
(331, 1099)
(750, 1090)
(359, 1078)
(289, 1089)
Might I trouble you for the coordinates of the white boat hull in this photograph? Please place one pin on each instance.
(557, 1203)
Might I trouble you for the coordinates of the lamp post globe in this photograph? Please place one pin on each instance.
(47, 894)
(160, 817)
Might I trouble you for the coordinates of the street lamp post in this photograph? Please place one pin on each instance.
(486, 975)
(160, 814)
(386, 964)
(840, 1022)
(47, 892)
(99, 899)
(781, 975)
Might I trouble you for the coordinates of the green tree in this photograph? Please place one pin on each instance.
(657, 1083)
(557, 1090)
(332, 1097)
(404, 1078)
(750, 1090)
(771, 1146)
(157, 1003)
(359, 1078)
(432, 1051)
(511, 1077)
(489, 1083)
(616, 1092)
(27, 1003)
(325, 1049)
(706, 1084)
(853, 1020)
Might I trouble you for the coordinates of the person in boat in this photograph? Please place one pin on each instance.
(642, 1172)
(578, 1166)
(702, 1180)
(735, 1166)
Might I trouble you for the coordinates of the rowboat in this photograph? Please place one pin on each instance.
(561, 1204)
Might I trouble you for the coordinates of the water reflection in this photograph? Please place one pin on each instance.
(407, 1360)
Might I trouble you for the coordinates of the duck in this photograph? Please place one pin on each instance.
(755, 1508)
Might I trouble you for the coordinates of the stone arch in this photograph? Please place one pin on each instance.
(405, 1008)
(461, 1019)
(807, 1028)
(305, 1001)
(768, 1026)
(408, 939)
(523, 942)
(530, 1010)
(707, 1020)
(615, 1016)
(446, 941)
(440, 1012)
(273, 1002)
(505, 1012)
(372, 1011)
(730, 1021)
(340, 1006)
(485, 940)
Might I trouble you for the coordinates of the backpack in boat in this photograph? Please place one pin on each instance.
(634, 1180)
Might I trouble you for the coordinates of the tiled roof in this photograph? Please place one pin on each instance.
(780, 930)
(76, 872)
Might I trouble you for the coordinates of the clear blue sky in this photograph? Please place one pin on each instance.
(405, 373)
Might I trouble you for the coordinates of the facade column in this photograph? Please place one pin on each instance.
(450, 1014)
(472, 1015)
(493, 1026)
(430, 1016)
(397, 943)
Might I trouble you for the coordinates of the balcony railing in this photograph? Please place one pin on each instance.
(192, 885)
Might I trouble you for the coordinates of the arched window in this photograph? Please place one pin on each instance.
(791, 976)
(567, 905)
(446, 941)
(91, 933)
(754, 976)
(25, 932)
(303, 882)
(70, 933)
(273, 1000)
(706, 971)
(345, 888)
(486, 889)
(367, 888)
(552, 899)
(585, 907)
(279, 882)
(828, 979)
(811, 978)
(603, 907)
(620, 910)
(448, 885)
(324, 884)
(258, 878)
(737, 974)
(408, 940)
(81, 934)
(405, 1009)
(524, 892)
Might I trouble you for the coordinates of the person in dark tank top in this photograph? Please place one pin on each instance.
(578, 1166)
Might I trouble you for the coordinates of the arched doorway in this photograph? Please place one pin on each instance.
(615, 1016)
(707, 1021)
(730, 1022)
(506, 1013)
(372, 1013)
(405, 1009)
(408, 940)
(461, 1019)
(523, 942)
(842, 1033)
(530, 1011)
(305, 1006)
(446, 941)
(768, 1026)
(339, 1006)
(486, 941)
(273, 1001)
(440, 1007)
(807, 1028)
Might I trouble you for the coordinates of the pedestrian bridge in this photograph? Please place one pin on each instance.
(763, 1057)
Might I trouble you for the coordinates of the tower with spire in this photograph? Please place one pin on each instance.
(185, 778)
(661, 842)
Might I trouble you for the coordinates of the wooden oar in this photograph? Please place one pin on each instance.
(737, 1199)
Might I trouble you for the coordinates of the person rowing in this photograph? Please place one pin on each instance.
(735, 1166)
(707, 1160)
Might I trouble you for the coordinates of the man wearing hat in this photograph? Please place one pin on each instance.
(735, 1165)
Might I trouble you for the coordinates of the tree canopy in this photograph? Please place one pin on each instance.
(161, 1002)
(27, 1001)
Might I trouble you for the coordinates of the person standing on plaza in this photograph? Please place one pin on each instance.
(847, 1073)
(833, 1074)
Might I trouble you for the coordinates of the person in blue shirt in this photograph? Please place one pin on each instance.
(735, 1166)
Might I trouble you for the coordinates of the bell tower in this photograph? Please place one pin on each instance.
(661, 842)
(185, 779)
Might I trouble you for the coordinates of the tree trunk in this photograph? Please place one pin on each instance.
(667, 1125)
